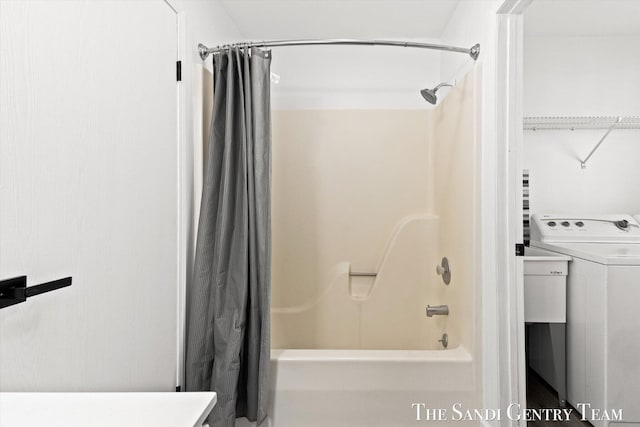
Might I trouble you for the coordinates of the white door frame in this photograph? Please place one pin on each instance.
(509, 101)
(184, 208)
(183, 205)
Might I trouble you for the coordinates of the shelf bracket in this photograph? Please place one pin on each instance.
(583, 163)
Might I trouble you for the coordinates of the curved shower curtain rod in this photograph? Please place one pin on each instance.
(473, 52)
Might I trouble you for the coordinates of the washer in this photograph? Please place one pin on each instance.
(603, 326)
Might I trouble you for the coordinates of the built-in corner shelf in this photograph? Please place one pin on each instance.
(581, 123)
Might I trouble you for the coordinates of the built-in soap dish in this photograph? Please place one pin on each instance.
(360, 285)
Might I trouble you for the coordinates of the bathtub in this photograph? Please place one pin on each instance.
(366, 387)
(354, 388)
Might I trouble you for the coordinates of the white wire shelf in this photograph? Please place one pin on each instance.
(583, 122)
(580, 122)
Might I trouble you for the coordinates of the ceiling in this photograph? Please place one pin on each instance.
(418, 19)
(320, 19)
(569, 18)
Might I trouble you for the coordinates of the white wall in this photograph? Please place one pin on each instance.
(575, 76)
(471, 23)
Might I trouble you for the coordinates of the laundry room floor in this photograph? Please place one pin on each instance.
(541, 395)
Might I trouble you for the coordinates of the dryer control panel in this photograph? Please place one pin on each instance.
(562, 228)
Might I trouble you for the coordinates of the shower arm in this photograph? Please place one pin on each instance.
(473, 51)
(442, 85)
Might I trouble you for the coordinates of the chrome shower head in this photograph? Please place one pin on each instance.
(430, 94)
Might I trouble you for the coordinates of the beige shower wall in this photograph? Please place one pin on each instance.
(455, 153)
(344, 182)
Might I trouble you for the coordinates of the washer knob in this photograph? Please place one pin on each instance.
(623, 224)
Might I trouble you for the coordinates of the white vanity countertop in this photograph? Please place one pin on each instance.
(105, 409)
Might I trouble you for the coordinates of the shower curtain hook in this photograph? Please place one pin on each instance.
(266, 52)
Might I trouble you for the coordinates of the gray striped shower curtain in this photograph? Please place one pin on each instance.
(228, 301)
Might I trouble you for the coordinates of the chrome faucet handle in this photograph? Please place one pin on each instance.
(444, 340)
(444, 270)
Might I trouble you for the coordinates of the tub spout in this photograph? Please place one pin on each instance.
(439, 310)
